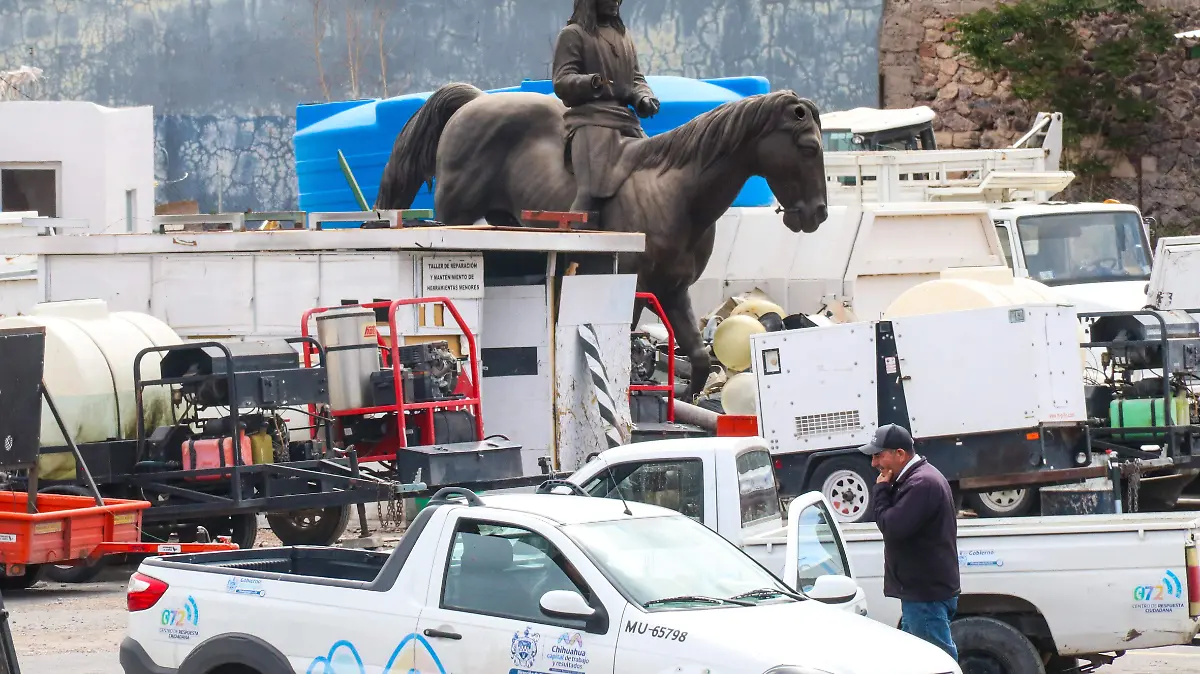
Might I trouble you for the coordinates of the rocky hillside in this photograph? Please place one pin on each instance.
(976, 110)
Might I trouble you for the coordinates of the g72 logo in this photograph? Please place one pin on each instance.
(189, 614)
(1148, 593)
(1170, 586)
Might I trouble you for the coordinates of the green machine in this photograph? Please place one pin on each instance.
(1145, 410)
(1147, 413)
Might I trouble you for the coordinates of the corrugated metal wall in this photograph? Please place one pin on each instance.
(224, 76)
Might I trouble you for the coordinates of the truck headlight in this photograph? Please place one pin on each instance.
(793, 669)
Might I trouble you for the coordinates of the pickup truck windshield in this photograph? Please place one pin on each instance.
(1068, 248)
(677, 484)
(756, 487)
(655, 558)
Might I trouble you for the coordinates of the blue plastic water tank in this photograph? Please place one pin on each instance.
(366, 130)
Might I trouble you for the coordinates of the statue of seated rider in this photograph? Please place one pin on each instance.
(596, 75)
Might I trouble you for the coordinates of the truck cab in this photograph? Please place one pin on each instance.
(874, 130)
(729, 485)
(1096, 254)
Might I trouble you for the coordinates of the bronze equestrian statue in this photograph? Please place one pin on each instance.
(596, 75)
(496, 155)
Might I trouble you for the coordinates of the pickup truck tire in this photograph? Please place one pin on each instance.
(310, 527)
(990, 646)
(846, 481)
(83, 571)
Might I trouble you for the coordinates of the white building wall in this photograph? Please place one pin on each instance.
(130, 166)
(101, 152)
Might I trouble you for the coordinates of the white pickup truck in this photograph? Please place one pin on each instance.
(1039, 595)
(517, 583)
(729, 485)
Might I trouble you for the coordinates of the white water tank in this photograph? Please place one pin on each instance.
(961, 289)
(971, 288)
(89, 360)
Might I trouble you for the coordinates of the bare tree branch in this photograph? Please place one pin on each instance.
(381, 16)
(318, 35)
(353, 49)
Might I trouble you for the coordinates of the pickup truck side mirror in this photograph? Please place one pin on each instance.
(572, 605)
(565, 604)
(833, 589)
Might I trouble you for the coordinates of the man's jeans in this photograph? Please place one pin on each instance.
(930, 620)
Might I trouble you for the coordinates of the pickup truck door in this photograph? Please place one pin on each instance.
(815, 546)
(482, 612)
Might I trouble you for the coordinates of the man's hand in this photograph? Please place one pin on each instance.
(647, 106)
(885, 475)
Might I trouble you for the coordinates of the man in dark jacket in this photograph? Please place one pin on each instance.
(915, 511)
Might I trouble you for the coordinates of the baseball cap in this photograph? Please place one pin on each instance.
(888, 436)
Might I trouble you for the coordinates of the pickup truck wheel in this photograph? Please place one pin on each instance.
(1003, 503)
(990, 646)
(310, 527)
(84, 571)
(846, 481)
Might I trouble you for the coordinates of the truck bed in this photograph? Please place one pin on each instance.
(1022, 526)
(361, 566)
(312, 565)
(1053, 525)
(1100, 583)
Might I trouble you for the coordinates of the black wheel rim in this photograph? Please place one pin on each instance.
(305, 520)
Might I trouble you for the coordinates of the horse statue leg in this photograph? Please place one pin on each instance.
(678, 307)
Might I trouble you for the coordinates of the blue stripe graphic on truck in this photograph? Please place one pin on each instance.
(329, 665)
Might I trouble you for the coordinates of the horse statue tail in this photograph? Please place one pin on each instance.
(414, 155)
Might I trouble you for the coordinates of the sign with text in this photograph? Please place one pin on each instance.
(456, 277)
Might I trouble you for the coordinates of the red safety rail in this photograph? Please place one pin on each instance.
(385, 451)
(669, 387)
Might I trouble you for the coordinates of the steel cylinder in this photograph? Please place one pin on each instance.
(351, 355)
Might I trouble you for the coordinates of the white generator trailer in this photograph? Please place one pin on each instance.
(992, 393)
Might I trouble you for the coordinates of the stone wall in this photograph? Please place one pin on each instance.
(976, 110)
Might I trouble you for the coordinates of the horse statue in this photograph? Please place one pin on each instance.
(496, 155)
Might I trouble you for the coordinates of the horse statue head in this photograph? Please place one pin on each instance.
(776, 136)
(792, 160)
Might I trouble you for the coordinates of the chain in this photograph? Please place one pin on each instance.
(1131, 490)
(393, 519)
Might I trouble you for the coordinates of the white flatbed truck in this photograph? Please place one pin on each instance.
(1040, 595)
